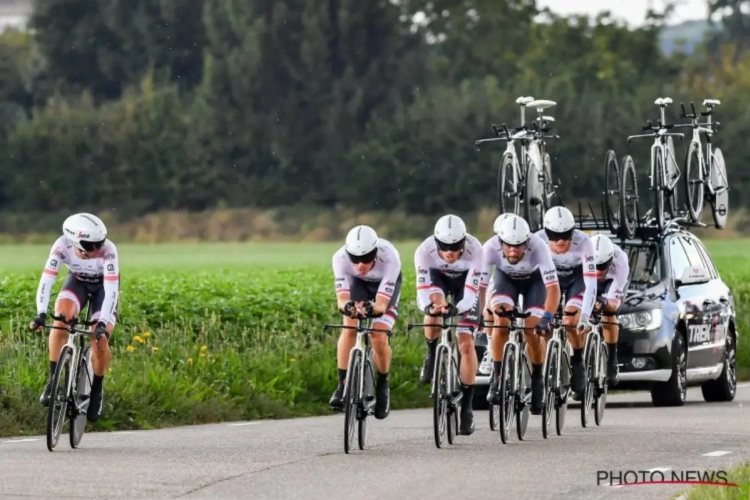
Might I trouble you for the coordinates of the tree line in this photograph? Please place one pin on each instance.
(137, 107)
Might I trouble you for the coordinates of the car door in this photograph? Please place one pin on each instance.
(702, 323)
(691, 298)
(721, 306)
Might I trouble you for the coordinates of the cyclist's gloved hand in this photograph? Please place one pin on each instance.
(349, 309)
(583, 323)
(600, 303)
(101, 331)
(543, 325)
(39, 322)
(450, 310)
(429, 310)
(369, 309)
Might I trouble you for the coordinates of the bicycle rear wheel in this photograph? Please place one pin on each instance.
(58, 405)
(601, 384)
(523, 402)
(694, 182)
(720, 182)
(83, 391)
(507, 391)
(508, 193)
(368, 399)
(561, 408)
(352, 398)
(590, 355)
(533, 205)
(659, 188)
(628, 198)
(612, 191)
(550, 386)
(670, 162)
(439, 393)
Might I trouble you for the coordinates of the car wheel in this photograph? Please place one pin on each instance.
(725, 387)
(673, 392)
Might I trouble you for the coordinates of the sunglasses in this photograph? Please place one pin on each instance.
(450, 247)
(516, 247)
(363, 259)
(92, 246)
(554, 236)
(604, 266)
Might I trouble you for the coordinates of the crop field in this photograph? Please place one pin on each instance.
(211, 332)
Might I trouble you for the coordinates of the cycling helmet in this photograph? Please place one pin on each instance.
(604, 251)
(362, 244)
(559, 223)
(514, 231)
(86, 231)
(499, 220)
(450, 233)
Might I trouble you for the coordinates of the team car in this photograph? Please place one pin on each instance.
(678, 325)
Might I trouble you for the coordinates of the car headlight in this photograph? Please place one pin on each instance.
(642, 320)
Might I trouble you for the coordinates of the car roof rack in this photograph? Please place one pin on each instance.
(646, 229)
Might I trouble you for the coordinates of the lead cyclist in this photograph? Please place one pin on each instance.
(612, 272)
(93, 270)
(573, 255)
(450, 261)
(367, 276)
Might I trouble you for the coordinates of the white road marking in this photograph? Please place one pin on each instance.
(238, 424)
(717, 453)
(25, 440)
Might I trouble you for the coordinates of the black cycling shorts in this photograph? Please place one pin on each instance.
(83, 293)
(365, 291)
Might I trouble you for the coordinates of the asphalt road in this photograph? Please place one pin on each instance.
(304, 458)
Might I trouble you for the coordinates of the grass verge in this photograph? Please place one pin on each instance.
(738, 475)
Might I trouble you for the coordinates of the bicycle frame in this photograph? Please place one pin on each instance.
(74, 334)
(704, 162)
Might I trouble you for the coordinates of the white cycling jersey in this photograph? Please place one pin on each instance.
(469, 264)
(618, 272)
(104, 268)
(581, 254)
(386, 269)
(537, 256)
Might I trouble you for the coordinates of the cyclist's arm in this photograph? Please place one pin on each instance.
(340, 280)
(472, 283)
(549, 276)
(589, 277)
(620, 275)
(490, 256)
(111, 283)
(57, 257)
(388, 284)
(424, 281)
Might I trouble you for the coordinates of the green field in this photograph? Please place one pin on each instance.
(212, 332)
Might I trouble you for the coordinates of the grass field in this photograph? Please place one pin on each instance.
(212, 332)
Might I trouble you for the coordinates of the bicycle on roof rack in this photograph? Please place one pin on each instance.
(705, 176)
(526, 184)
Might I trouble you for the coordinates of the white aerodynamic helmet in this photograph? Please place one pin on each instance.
(604, 250)
(499, 220)
(514, 231)
(362, 244)
(450, 232)
(559, 223)
(86, 231)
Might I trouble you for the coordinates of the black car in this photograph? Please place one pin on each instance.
(678, 326)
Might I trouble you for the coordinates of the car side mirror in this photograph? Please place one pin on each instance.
(693, 276)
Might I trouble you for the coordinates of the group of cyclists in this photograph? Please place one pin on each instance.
(543, 267)
(591, 272)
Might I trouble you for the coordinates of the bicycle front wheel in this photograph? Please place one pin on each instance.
(590, 356)
(694, 182)
(612, 191)
(368, 399)
(561, 408)
(507, 391)
(352, 398)
(439, 395)
(59, 395)
(507, 187)
(628, 198)
(83, 391)
(523, 396)
(550, 385)
(601, 384)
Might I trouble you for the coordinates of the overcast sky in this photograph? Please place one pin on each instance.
(632, 11)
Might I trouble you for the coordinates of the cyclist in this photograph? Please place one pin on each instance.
(612, 271)
(573, 255)
(450, 262)
(523, 265)
(367, 275)
(93, 272)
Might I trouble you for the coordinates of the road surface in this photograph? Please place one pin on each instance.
(304, 458)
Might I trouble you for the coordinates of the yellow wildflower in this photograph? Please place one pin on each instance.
(204, 348)
(190, 361)
(154, 349)
(292, 360)
(130, 348)
(138, 339)
(203, 355)
(146, 335)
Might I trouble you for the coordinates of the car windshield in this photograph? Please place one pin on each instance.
(645, 265)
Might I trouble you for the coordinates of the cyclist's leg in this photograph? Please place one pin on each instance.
(611, 332)
(467, 322)
(382, 351)
(503, 297)
(100, 352)
(535, 295)
(431, 334)
(576, 289)
(69, 302)
(358, 291)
